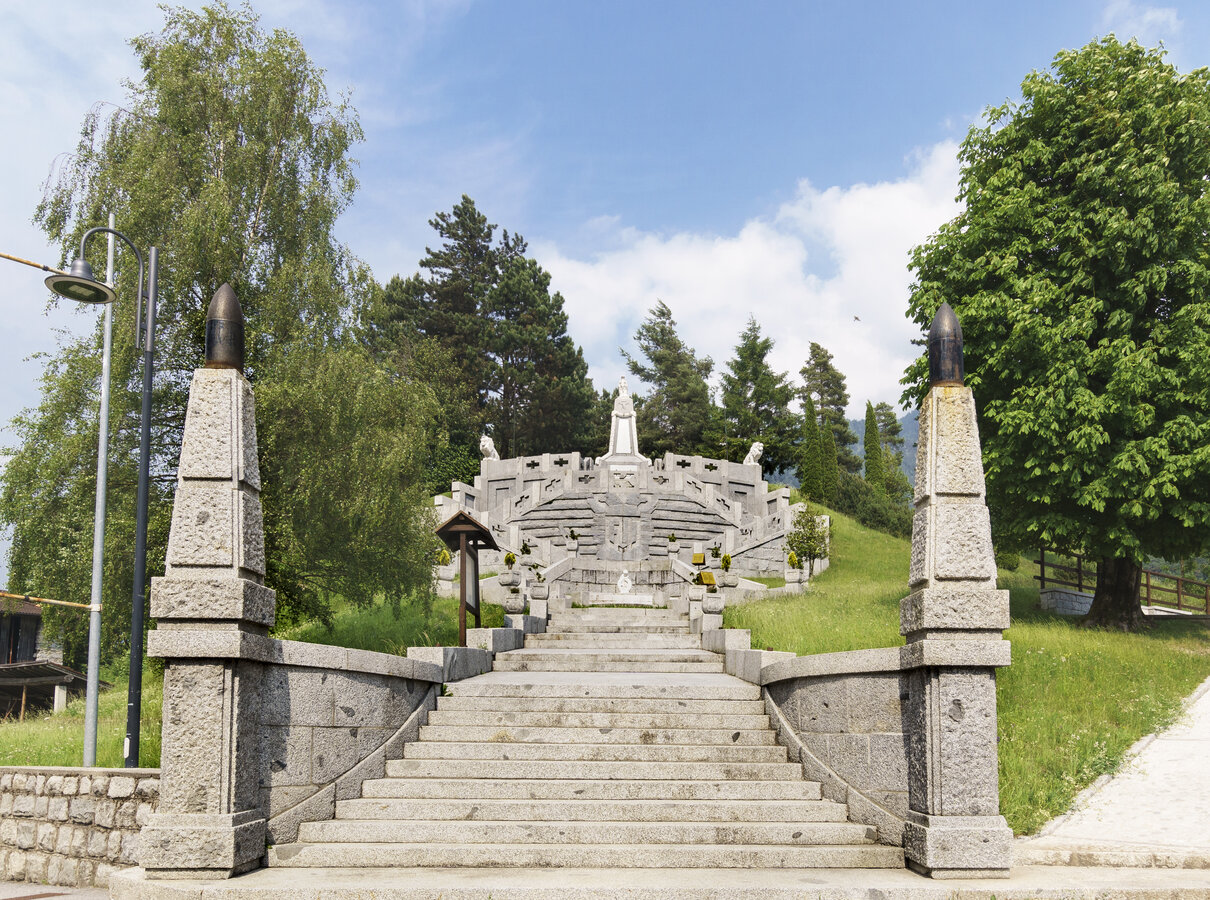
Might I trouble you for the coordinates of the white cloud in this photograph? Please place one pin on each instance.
(1150, 25)
(823, 258)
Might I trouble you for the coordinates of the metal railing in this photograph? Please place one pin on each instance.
(1155, 589)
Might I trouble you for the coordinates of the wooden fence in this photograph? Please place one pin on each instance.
(1156, 588)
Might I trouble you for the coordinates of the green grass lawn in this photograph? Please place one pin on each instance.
(1070, 705)
(44, 739)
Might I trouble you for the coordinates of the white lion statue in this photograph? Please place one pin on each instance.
(754, 452)
(487, 448)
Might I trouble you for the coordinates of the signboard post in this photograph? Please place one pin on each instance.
(464, 535)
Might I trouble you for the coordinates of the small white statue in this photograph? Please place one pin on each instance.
(625, 585)
(754, 452)
(624, 405)
(487, 448)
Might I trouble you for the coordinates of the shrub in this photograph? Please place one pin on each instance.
(872, 508)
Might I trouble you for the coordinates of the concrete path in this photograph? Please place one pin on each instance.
(1154, 811)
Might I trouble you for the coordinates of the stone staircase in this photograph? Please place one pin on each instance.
(611, 741)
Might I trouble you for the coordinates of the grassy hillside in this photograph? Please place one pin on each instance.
(1072, 702)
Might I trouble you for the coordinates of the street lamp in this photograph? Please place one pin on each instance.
(80, 284)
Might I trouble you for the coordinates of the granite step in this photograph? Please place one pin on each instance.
(603, 735)
(440, 831)
(609, 640)
(588, 856)
(478, 809)
(636, 706)
(593, 770)
(636, 655)
(465, 751)
(755, 791)
(620, 628)
(621, 686)
(595, 720)
(590, 665)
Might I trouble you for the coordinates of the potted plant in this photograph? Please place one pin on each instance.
(510, 578)
(573, 541)
(672, 545)
(445, 571)
(539, 590)
(728, 579)
(793, 569)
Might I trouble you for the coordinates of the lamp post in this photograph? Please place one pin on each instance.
(80, 284)
(98, 536)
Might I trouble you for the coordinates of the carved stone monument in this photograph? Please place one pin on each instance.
(953, 621)
(213, 614)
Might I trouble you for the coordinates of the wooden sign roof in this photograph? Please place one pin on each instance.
(477, 536)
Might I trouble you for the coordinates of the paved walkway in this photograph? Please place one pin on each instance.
(1157, 806)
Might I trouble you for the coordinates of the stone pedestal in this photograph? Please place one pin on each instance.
(953, 621)
(213, 614)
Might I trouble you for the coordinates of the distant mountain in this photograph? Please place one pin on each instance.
(911, 432)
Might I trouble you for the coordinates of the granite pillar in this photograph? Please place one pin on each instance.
(953, 622)
(213, 613)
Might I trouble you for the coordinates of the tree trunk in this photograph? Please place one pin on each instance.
(1116, 601)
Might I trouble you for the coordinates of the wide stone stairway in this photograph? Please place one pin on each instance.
(613, 740)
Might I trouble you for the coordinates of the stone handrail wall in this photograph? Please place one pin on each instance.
(841, 715)
(72, 826)
(329, 719)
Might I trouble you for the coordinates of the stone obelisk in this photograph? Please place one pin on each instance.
(953, 622)
(213, 613)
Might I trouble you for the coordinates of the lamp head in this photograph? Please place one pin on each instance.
(81, 285)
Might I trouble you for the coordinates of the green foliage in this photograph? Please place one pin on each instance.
(826, 384)
(793, 561)
(674, 413)
(348, 505)
(829, 468)
(230, 157)
(1070, 705)
(890, 434)
(873, 508)
(513, 368)
(57, 739)
(510, 559)
(875, 476)
(725, 562)
(756, 404)
(1080, 271)
(808, 539)
(810, 466)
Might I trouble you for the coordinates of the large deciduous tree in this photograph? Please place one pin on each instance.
(674, 413)
(756, 404)
(1080, 268)
(232, 159)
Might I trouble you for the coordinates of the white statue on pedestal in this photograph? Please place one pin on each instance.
(487, 448)
(625, 585)
(754, 452)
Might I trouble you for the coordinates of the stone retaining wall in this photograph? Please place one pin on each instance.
(1065, 602)
(72, 827)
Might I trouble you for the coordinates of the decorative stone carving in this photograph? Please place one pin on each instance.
(754, 454)
(487, 448)
(625, 584)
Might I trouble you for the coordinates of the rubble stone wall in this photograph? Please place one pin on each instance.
(72, 826)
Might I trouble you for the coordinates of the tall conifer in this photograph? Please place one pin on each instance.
(809, 469)
(875, 476)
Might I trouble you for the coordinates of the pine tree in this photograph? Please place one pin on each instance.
(809, 466)
(674, 413)
(874, 473)
(890, 431)
(822, 380)
(756, 404)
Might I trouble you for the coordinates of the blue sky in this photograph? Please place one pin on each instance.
(768, 159)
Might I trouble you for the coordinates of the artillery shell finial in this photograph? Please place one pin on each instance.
(225, 331)
(945, 348)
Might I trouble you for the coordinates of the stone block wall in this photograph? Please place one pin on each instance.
(329, 719)
(842, 715)
(72, 826)
(1066, 603)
